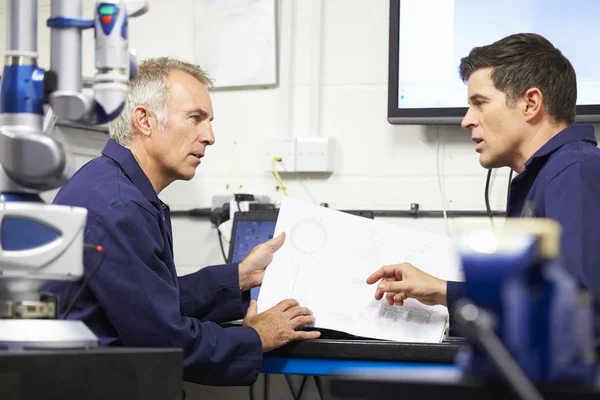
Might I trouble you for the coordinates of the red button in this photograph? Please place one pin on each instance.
(107, 19)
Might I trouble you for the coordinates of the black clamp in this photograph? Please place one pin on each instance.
(414, 209)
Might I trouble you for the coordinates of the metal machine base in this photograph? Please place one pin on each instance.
(16, 334)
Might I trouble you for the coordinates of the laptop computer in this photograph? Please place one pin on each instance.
(250, 228)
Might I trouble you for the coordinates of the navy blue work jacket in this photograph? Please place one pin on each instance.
(136, 298)
(561, 181)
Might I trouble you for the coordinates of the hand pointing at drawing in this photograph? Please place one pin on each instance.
(402, 281)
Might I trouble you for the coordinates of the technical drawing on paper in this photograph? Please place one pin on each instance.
(303, 280)
(308, 236)
(408, 314)
(325, 246)
(366, 255)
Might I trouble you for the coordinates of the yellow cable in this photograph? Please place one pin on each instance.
(273, 161)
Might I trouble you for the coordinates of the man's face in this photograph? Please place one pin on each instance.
(495, 127)
(177, 149)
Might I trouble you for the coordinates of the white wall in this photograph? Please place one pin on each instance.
(379, 166)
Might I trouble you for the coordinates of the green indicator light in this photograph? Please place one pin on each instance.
(107, 10)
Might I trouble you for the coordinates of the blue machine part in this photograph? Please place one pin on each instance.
(108, 13)
(70, 22)
(23, 234)
(102, 117)
(20, 197)
(538, 315)
(20, 233)
(124, 28)
(22, 90)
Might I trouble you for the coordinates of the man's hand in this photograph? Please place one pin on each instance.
(252, 268)
(277, 325)
(402, 281)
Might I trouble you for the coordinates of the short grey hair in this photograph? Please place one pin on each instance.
(150, 89)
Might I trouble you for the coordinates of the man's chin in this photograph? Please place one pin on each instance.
(187, 176)
(485, 162)
(489, 164)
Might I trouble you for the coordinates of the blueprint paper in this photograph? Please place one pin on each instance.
(327, 257)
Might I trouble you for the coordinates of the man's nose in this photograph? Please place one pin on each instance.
(469, 121)
(208, 137)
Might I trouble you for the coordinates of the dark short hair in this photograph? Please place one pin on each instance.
(523, 61)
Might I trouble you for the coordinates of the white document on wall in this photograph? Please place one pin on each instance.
(236, 41)
(326, 259)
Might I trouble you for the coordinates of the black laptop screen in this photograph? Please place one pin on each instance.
(248, 234)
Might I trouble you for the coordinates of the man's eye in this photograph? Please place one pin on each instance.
(196, 118)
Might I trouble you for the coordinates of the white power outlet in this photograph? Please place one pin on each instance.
(315, 154)
(280, 147)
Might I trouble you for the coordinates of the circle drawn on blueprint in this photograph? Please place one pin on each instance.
(309, 236)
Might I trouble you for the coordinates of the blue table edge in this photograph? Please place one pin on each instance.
(318, 366)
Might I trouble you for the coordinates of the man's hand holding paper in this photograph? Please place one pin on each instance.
(252, 267)
(277, 326)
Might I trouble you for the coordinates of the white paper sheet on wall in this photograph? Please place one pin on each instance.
(326, 259)
(235, 41)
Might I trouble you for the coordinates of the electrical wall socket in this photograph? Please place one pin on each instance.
(303, 154)
(315, 154)
(280, 147)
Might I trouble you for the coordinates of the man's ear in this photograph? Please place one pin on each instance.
(533, 104)
(143, 120)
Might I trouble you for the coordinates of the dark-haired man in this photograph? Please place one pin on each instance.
(522, 95)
